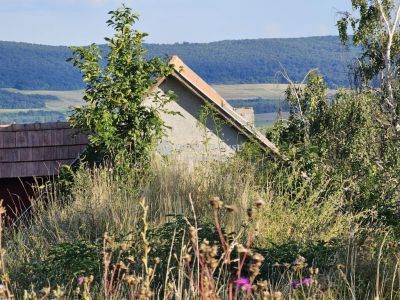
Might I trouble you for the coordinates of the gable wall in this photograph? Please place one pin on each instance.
(188, 138)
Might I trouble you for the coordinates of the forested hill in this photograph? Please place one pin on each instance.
(29, 66)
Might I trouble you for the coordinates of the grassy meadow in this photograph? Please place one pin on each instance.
(181, 232)
(55, 110)
(252, 91)
(66, 99)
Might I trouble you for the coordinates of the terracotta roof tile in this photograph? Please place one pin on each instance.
(183, 71)
(195, 79)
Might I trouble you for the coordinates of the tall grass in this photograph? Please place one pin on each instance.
(172, 181)
(97, 227)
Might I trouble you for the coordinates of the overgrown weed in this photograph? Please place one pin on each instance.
(265, 241)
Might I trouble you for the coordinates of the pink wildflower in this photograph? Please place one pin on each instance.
(298, 284)
(295, 284)
(81, 279)
(307, 281)
(243, 282)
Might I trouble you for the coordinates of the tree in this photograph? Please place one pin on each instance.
(120, 124)
(355, 136)
(341, 139)
(376, 29)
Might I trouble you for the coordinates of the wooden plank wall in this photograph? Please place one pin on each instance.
(38, 149)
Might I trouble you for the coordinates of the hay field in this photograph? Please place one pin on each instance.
(68, 99)
(268, 91)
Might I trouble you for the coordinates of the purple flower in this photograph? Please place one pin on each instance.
(299, 283)
(243, 282)
(81, 279)
(295, 284)
(307, 281)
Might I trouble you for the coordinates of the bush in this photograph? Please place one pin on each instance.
(65, 263)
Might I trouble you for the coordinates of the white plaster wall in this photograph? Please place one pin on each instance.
(186, 137)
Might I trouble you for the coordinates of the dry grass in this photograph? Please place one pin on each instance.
(168, 191)
(293, 209)
(271, 91)
(252, 91)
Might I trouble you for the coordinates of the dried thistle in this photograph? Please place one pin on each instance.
(277, 296)
(230, 208)
(216, 203)
(259, 202)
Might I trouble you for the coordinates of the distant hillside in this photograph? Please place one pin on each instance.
(13, 100)
(29, 66)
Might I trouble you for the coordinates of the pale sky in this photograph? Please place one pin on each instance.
(80, 22)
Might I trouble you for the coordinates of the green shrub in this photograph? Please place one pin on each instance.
(65, 262)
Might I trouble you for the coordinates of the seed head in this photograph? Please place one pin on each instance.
(340, 267)
(258, 257)
(276, 265)
(131, 280)
(123, 247)
(193, 233)
(241, 249)
(149, 294)
(46, 291)
(213, 263)
(259, 202)
(277, 295)
(188, 258)
(120, 265)
(230, 208)
(266, 295)
(262, 285)
(286, 265)
(214, 251)
(299, 263)
(107, 238)
(216, 203)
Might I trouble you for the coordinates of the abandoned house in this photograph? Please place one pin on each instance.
(207, 127)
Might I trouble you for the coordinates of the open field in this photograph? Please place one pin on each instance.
(68, 99)
(71, 98)
(251, 91)
(269, 91)
(54, 110)
(268, 119)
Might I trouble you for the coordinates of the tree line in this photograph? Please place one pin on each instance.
(29, 66)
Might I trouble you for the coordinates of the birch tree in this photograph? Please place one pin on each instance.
(375, 28)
